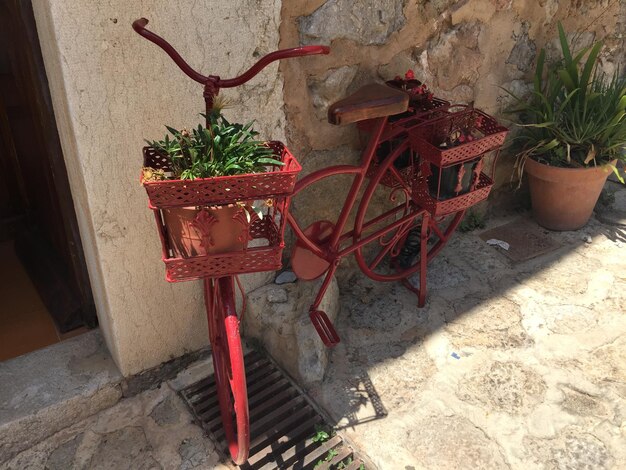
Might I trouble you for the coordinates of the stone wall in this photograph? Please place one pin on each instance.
(111, 89)
(463, 50)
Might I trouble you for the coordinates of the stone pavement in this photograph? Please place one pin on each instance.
(152, 430)
(509, 365)
(519, 366)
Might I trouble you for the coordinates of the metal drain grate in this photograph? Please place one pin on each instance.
(282, 422)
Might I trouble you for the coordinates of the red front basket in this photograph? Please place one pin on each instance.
(221, 189)
(264, 252)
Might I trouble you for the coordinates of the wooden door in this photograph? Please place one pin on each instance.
(35, 202)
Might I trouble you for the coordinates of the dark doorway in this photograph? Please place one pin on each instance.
(39, 239)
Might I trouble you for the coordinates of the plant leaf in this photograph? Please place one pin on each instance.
(563, 40)
(617, 173)
(589, 66)
(591, 155)
(567, 79)
(172, 131)
(539, 70)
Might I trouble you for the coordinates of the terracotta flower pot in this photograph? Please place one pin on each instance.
(193, 231)
(564, 198)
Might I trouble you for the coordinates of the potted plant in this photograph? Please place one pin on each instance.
(573, 131)
(421, 99)
(182, 161)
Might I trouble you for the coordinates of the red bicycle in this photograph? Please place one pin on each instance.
(401, 223)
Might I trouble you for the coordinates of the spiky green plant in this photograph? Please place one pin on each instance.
(219, 149)
(576, 115)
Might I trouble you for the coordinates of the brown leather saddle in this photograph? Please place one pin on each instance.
(368, 102)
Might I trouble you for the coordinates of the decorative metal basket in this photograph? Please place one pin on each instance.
(263, 248)
(428, 137)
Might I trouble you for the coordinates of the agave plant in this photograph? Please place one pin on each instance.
(576, 115)
(219, 149)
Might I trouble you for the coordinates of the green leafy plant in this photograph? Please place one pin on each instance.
(331, 454)
(219, 149)
(343, 464)
(575, 116)
(322, 434)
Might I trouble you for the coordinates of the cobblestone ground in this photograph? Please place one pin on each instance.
(519, 366)
(150, 431)
(508, 366)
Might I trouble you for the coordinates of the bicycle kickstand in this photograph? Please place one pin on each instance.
(421, 290)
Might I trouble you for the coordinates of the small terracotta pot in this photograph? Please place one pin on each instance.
(564, 198)
(193, 231)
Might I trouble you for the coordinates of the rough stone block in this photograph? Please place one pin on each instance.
(331, 87)
(524, 52)
(277, 317)
(48, 390)
(455, 57)
(363, 21)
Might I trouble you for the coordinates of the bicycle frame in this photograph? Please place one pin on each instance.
(329, 248)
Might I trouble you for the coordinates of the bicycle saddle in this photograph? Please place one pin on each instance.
(368, 102)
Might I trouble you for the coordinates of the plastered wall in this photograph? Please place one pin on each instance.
(112, 89)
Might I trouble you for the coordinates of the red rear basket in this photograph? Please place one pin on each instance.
(437, 207)
(427, 137)
(395, 132)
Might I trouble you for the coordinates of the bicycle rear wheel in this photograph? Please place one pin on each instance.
(230, 375)
(389, 198)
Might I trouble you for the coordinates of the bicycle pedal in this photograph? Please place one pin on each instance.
(325, 328)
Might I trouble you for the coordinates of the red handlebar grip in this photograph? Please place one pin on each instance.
(140, 28)
(140, 24)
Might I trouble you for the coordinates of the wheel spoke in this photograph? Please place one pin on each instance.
(394, 171)
(435, 227)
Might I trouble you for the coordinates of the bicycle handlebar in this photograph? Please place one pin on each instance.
(140, 28)
(271, 57)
